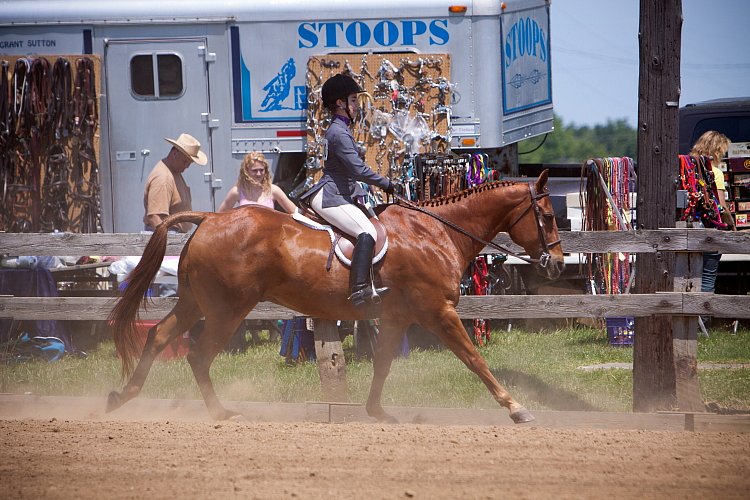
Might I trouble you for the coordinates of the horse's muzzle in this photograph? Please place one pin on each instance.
(550, 267)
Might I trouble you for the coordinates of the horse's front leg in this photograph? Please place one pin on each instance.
(447, 325)
(389, 339)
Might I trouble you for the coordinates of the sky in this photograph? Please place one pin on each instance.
(595, 56)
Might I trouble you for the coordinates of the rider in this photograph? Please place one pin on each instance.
(333, 196)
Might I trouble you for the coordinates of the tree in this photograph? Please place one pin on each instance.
(573, 144)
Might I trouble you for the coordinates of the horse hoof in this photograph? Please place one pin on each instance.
(225, 414)
(113, 401)
(385, 418)
(522, 416)
(238, 417)
(380, 415)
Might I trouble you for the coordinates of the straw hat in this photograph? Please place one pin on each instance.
(190, 146)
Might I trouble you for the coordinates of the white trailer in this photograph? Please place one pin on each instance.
(233, 75)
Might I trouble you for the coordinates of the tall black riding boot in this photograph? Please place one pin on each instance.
(360, 280)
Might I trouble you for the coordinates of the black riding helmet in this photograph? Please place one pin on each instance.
(339, 87)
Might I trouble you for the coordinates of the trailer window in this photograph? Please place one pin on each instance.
(167, 83)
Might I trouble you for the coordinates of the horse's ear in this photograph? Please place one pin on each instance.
(542, 181)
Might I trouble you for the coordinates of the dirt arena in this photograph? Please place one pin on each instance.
(69, 449)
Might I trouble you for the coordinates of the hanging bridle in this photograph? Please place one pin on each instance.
(543, 259)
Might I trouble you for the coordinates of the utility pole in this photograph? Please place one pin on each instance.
(658, 105)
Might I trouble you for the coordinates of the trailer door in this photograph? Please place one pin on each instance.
(155, 89)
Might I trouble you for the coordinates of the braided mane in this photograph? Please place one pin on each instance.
(452, 198)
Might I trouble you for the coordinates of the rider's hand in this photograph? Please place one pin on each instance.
(391, 189)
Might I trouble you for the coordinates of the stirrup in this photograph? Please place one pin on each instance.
(368, 295)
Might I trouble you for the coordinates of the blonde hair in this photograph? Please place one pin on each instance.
(245, 180)
(711, 143)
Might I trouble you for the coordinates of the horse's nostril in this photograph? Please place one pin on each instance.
(560, 265)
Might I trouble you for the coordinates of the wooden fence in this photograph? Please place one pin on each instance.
(682, 301)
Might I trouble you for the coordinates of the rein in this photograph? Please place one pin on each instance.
(543, 260)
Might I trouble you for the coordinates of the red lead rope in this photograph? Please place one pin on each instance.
(696, 177)
(481, 281)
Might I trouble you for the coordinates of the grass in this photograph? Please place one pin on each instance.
(541, 370)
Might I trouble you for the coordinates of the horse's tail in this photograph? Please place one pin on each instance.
(124, 315)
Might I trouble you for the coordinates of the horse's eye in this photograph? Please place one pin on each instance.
(549, 217)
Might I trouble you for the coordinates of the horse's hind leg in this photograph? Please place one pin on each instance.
(179, 320)
(389, 339)
(449, 328)
(216, 333)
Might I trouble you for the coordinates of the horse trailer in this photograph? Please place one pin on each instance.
(233, 74)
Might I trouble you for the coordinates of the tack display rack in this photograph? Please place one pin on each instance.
(405, 109)
(738, 184)
(49, 143)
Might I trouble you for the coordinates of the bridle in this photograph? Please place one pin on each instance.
(544, 258)
(535, 197)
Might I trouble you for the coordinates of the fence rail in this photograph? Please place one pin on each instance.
(506, 306)
(644, 241)
(488, 307)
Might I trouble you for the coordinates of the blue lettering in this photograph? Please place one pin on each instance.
(11, 44)
(412, 29)
(363, 31)
(510, 46)
(529, 39)
(439, 34)
(330, 33)
(542, 46)
(525, 38)
(307, 36)
(386, 33)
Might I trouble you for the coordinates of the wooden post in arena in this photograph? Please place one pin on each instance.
(654, 377)
(688, 271)
(331, 361)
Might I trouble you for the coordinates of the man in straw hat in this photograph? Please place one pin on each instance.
(166, 191)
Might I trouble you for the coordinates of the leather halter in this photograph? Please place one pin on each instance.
(543, 259)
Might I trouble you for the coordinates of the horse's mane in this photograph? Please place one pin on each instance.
(452, 198)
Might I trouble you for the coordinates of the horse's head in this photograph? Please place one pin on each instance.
(534, 228)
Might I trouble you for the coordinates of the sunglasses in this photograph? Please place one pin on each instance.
(258, 170)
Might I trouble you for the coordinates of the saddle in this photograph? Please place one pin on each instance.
(341, 243)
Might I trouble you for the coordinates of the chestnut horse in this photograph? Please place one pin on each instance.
(239, 258)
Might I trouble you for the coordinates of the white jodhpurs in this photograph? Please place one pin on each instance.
(348, 218)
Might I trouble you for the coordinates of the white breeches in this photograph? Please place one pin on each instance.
(348, 218)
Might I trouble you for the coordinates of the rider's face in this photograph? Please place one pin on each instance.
(352, 104)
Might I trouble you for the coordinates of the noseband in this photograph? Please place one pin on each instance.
(544, 258)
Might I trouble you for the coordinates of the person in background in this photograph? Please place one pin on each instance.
(254, 187)
(166, 191)
(714, 145)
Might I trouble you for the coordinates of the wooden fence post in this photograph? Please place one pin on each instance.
(658, 105)
(688, 271)
(331, 361)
